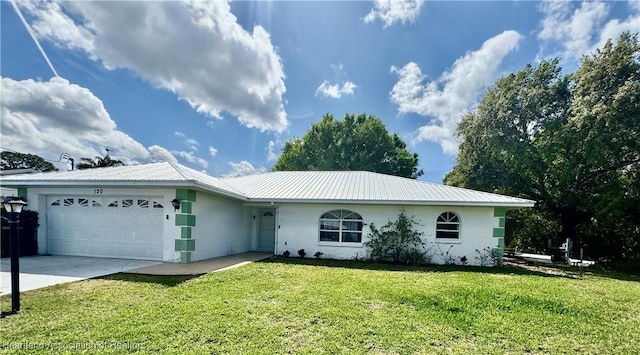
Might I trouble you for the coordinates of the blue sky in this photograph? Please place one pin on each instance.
(220, 86)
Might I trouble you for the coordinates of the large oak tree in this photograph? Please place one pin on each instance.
(354, 143)
(572, 143)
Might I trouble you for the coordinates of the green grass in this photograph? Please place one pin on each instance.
(335, 307)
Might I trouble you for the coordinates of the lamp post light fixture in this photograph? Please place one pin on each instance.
(14, 205)
(176, 204)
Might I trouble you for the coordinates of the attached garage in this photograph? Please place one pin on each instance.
(105, 226)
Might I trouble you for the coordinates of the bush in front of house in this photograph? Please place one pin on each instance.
(397, 242)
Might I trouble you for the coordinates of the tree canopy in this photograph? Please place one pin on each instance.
(15, 160)
(354, 143)
(572, 143)
(98, 162)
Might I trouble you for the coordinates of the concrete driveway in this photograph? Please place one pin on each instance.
(42, 271)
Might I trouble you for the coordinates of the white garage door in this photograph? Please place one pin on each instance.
(127, 227)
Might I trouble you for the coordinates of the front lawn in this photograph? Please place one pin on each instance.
(288, 305)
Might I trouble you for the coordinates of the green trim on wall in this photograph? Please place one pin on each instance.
(185, 244)
(501, 243)
(498, 232)
(501, 222)
(22, 192)
(499, 212)
(185, 232)
(186, 195)
(185, 207)
(185, 220)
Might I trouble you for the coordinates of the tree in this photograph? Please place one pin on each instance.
(572, 143)
(15, 160)
(88, 163)
(355, 143)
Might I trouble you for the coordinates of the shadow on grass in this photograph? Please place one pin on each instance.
(169, 281)
(365, 265)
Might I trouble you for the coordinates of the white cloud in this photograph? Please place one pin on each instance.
(213, 151)
(191, 158)
(580, 29)
(335, 91)
(52, 117)
(190, 142)
(391, 11)
(244, 168)
(447, 98)
(195, 49)
(271, 155)
(159, 153)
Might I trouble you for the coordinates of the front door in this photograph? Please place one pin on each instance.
(267, 230)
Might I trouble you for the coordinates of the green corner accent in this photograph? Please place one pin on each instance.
(22, 192)
(185, 233)
(185, 220)
(501, 222)
(498, 232)
(501, 243)
(499, 212)
(185, 207)
(185, 244)
(185, 257)
(186, 195)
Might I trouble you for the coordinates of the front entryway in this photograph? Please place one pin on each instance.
(267, 229)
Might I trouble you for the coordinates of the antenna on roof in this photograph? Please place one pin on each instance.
(108, 150)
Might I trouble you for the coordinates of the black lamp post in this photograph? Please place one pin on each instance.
(14, 205)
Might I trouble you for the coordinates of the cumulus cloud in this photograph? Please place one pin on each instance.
(392, 11)
(195, 49)
(447, 98)
(271, 155)
(52, 117)
(243, 168)
(190, 142)
(580, 28)
(335, 91)
(213, 151)
(191, 158)
(159, 153)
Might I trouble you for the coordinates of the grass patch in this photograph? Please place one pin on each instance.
(293, 305)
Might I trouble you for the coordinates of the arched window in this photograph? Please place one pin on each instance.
(448, 226)
(341, 226)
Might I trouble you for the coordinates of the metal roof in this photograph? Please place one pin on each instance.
(282, 186)
(360, 187)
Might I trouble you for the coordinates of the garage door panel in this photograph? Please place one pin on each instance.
(112, 226)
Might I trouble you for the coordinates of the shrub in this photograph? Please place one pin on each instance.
(397, 242)
(286, 253)
(302, 253)
(318, 254)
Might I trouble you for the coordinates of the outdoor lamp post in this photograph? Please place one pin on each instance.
(14, 205)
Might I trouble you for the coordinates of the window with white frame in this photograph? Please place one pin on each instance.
(448, 226)
(341, 226)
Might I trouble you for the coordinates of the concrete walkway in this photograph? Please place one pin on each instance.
(204, 266)
(48, 270)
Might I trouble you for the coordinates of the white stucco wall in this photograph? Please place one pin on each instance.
(37, 201)
(223, 227)
(299, 229)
